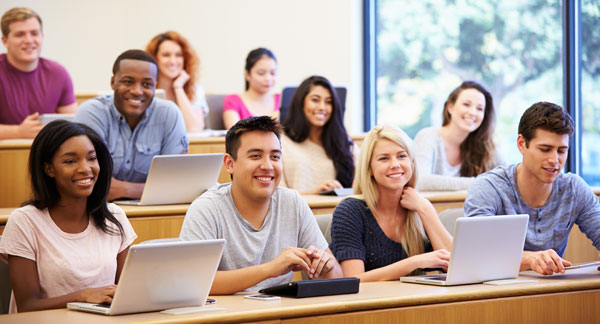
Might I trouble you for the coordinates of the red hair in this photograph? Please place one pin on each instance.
(190, 58)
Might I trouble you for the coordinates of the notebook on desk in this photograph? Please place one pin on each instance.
(160, 276)
(484, 248)
(178, 179)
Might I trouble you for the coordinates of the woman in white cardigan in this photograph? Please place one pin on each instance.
(317, 154)
(451, 156)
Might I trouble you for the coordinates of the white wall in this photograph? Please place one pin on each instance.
(307, 36)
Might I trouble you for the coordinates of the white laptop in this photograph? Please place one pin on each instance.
(161, 276)
(484, 248)
(158, 93)
(178, 179)
(47, 118)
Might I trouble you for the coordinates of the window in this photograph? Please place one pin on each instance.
(426, 48)
(590, 91)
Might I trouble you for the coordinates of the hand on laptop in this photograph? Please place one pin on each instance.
(326, 185)
(544, 262)
(435, 259)
(97, 295)
(322, 262)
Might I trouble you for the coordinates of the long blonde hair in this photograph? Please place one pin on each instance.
(413, 237)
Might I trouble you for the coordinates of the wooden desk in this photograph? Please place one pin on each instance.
(14, 177)
(14, 156)
(148, 222)
(568, 299)
(151, 222)
(165, 221)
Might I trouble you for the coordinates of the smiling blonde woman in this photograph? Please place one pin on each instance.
(387, 230)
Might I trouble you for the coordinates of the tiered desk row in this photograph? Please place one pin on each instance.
(151, 222)
(573, 298)
(558, 299)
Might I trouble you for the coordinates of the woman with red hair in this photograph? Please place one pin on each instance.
(177, 76)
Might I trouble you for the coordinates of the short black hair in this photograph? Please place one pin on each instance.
(133, 54)
(46, 194)
(547, 116)
(261, 123)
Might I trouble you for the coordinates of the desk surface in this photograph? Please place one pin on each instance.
(313, 201)
(371, 298)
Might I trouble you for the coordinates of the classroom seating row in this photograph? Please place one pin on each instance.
(14, 155)
(153, 222)
(571, 298)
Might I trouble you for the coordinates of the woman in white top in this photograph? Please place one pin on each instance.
(177, 75)
(451, 156)
(317, 153)
(66, 244)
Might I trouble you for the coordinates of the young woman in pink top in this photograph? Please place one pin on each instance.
(260, 74)
(66, 244)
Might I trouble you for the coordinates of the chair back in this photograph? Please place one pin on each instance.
(288, 92)
(324, 221)
(448, 218)
(214, 120)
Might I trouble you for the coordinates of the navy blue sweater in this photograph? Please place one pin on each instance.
(355, 234)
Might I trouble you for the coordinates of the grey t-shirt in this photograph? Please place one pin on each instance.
(289, 223)
(570, 202)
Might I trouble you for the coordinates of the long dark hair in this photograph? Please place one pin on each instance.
(334, 137)
(253, 57)
(45, 192)
(477, 151)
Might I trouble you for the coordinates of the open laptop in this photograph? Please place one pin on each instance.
(161, 276)
(484, 248)
(178, 179)
(47, 118)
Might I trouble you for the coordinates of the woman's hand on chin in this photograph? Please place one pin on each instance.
(181, 80)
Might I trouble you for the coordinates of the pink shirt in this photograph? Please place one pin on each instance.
(235, 103)
(65, 262)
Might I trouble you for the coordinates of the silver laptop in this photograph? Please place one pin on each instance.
(484, 248)
(158, 93)
(47, 118)
(178, 179)
(161, 276)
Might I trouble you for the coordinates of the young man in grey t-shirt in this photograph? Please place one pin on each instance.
(553, 200)
(270, 231)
